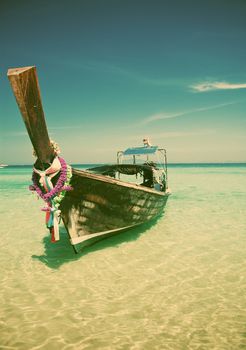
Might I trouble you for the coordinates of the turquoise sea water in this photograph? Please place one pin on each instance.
(179, 284)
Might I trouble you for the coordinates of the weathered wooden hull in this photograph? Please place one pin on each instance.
(100, 206)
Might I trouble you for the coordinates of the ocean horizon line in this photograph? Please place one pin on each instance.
(169, 164)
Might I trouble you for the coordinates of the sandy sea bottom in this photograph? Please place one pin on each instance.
(179, 284)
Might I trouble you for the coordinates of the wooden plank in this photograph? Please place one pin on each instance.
(24, 83)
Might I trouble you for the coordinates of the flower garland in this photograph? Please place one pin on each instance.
(62, 185)
(53, 196)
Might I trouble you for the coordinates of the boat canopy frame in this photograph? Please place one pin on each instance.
(145, 151)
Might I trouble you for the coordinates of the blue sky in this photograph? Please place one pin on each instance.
(113, 72)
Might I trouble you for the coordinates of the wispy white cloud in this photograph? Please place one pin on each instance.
(216, 85)
(23, 133)
(101, 67)
(14, 133)
(120, 71)
(65, 127)
(161, 116)
(174, 134)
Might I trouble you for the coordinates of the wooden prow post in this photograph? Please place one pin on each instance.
(24, 83)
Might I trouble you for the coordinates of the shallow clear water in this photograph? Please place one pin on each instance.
(179, 284)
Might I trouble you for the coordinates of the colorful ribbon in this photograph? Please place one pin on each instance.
(52, 213)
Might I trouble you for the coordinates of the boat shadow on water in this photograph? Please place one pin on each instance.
(62, 252)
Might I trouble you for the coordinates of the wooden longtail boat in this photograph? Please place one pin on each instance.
(100, 204)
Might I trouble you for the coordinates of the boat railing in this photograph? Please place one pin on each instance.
(160, 161)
